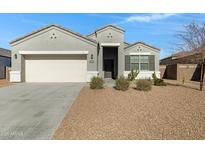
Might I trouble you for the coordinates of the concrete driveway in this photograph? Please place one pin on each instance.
(34, 110)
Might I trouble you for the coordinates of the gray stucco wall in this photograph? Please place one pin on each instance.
(56, 39)
(111, 35)
(152, 51)
(60, 41)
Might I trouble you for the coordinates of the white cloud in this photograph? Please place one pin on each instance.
(25, 19)
(106, 16)
(149, 17)
(31, 21)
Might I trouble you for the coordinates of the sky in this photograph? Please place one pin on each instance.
(158, 30)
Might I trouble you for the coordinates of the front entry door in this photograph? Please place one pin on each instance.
(110, 62)
(109, 68)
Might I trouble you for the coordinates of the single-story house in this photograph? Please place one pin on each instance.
(56, 54)
(5, 61)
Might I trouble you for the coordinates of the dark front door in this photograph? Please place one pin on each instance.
(109, 68)
(110, 62)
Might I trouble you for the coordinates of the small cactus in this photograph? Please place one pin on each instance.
(132, 75)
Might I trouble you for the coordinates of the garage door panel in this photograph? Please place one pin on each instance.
(56, 69)
(55, 57)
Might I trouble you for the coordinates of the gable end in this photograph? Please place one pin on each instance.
(48, 27)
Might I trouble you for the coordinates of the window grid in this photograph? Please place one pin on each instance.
(139, 62)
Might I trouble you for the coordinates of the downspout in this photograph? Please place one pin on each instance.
(98, 50)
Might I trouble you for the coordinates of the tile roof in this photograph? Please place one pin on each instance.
(184, 54)
(5, 52)
(181, 54)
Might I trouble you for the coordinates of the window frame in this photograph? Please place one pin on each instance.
(134, 62)
(140, 61)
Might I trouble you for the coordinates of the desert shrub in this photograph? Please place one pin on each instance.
(96, 83)
(157, 81)
(122, 83)
(143, 85)
(154, 77)
(132, 75)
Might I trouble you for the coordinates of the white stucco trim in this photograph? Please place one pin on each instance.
(143, 74)
(110, 44)
(52, 52)
(90, 74)
(140, 53)
(15, 76)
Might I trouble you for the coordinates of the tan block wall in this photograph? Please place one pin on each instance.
(188, 72)
(181, 72)
(162, 69)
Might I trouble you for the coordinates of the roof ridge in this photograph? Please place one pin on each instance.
(126, 42)
(131, 44)
(105, 26)
(5, 49)
(48, 26)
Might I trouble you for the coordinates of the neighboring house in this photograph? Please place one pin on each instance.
(57, 54)
(5, 61)
(193, 57)
(181, 66)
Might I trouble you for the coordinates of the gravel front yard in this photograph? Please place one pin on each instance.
(171, 112)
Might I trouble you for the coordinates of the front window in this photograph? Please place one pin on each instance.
(144, 63)
(135, 66)
(139, 62)
(134, 61)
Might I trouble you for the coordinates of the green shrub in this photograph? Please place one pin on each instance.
(154, 77)
(96, 83)
(132, 75)
(157, 81)
(122, 83)
(143, 85)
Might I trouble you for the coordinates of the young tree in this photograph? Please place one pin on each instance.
(193, 39)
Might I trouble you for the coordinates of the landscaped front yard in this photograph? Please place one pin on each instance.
(170, 112)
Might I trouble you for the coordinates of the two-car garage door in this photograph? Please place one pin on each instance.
(55, 68)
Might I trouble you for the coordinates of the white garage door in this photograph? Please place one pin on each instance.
(55, 68)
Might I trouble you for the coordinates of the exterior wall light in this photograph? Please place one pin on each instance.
(15, 56)
(91, 59)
